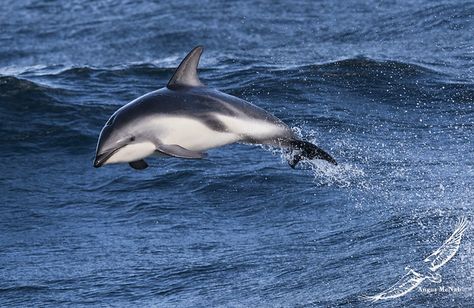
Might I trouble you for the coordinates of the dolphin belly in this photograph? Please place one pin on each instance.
(132, 152)
(255, 130)
(195, 134)
(191, 133)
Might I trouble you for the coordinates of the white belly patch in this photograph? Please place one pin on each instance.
(191, 133)
(247, 127)
(195, 135)
(132, 152)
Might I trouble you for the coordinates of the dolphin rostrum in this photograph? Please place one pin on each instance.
(186, 118)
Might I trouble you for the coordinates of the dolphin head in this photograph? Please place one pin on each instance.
(122, 140)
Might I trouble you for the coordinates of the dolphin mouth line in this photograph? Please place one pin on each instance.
(100, 159)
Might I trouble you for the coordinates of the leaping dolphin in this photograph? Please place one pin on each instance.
(186, 118)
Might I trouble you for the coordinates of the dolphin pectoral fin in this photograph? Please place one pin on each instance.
(138, 165)
(178, 151)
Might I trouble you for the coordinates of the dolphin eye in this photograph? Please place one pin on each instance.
(132, 138)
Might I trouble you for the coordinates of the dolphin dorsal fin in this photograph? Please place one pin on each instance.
(186, 73)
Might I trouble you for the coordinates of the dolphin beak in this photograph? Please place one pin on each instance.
(100, 159)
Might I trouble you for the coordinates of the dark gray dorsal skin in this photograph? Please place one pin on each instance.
(186, 118)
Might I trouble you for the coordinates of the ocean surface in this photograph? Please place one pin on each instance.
(386, 88)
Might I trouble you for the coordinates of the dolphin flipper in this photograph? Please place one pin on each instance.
(138, 164)
(178, 151)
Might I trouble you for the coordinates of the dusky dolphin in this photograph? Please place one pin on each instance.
(186, 118)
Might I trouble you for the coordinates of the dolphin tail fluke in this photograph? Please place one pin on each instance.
(306, 150)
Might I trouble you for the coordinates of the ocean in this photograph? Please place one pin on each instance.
(387, 88)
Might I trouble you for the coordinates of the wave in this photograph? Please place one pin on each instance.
(50, 106)
(161, 66)
(349, 67)
(52, 86)
(36, 116)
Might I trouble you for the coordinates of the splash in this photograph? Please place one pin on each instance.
(343, 175)
(324, 173)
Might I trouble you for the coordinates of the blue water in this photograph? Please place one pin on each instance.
(386, 88)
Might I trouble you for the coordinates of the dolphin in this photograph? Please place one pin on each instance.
(186, 118)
